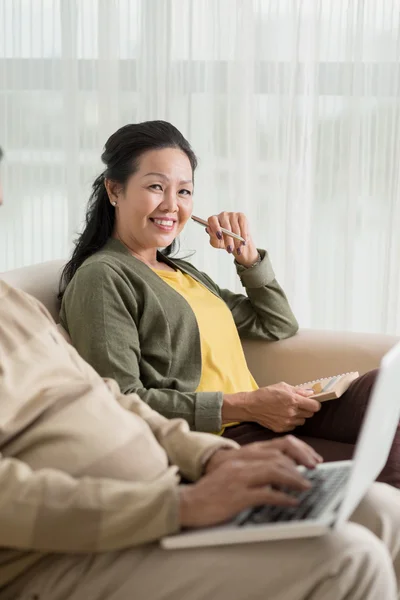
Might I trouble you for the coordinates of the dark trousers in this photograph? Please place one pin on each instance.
(333, 431)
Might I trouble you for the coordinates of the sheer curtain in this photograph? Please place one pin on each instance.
(291, 105)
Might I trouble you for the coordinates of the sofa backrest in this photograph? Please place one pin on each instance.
(41, 281)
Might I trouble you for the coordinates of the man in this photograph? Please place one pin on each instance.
(89, 482)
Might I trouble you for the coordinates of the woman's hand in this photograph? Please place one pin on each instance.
(281, 407)
(238, 484)
(300, 452)
(245, 253)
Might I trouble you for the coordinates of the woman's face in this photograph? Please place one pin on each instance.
(157, 200)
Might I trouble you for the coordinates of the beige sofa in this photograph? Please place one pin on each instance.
(308, 355)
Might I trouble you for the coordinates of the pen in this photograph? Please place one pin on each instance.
(225, 231)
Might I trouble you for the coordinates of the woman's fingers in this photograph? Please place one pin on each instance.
(308, 404)
(305, 414)
(243, 228)
(304, 392)
(215, 233)
(235, 222)
(227, 221)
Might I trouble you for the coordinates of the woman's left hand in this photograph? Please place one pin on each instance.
(245, 253)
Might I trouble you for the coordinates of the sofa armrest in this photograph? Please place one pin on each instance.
(312, 354)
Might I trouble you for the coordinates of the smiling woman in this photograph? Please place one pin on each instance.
(149, 174)
(155, 203)
(166, 331)
(158, 326)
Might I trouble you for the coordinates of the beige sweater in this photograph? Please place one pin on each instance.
(83, 468)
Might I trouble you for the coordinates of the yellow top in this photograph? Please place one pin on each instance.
(223, 364)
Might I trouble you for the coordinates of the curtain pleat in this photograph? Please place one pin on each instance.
(291, 105)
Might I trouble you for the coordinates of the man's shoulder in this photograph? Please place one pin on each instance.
(12, 293)
(18, 304)
(4, 288)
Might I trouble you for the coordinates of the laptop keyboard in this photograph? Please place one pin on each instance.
(311, 502)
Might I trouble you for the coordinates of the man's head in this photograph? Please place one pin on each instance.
(1, 189)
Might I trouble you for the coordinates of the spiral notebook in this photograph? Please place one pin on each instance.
(330, 388)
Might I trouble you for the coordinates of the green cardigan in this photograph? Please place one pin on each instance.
(133, 327)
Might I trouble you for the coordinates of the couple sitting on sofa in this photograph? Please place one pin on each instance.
(89, 475)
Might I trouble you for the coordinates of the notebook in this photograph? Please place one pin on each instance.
(330, 388)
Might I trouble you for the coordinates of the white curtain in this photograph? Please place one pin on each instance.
(291, 105)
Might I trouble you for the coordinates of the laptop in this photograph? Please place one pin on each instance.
(337, 488)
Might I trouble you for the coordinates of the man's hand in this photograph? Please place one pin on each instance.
(238, 484)
(280, 407)
(300, 452)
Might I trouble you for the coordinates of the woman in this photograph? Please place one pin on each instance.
(166, 331)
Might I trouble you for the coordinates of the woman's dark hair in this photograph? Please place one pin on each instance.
(121, 158)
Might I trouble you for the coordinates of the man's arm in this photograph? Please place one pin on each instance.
(188, 450)
(50, 511)
(47, 510)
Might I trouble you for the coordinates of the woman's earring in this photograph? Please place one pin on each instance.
(114, 203)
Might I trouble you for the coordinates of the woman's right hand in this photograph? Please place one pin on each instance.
(238, 484)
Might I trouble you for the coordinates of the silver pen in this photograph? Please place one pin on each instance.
(225, 231)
